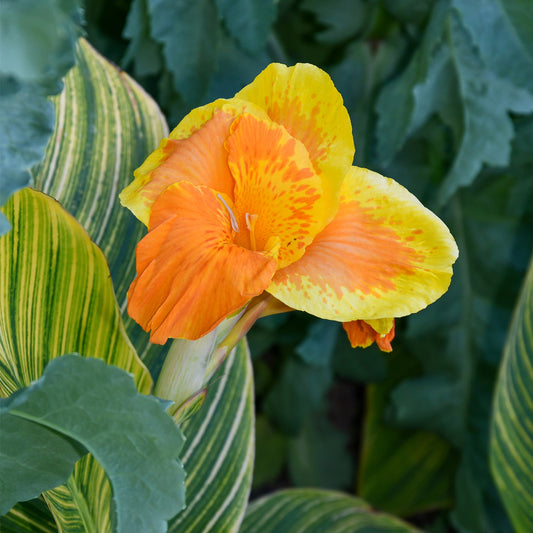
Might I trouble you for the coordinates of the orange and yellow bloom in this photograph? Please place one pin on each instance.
(258, 194)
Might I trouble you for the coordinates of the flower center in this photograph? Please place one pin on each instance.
(233, 220)
(250, 224)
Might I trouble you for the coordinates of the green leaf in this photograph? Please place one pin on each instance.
(26, 122)
(341, 19)
(188, 32)
(298, 391)
(270, 452)
(315, 510)
(447, 76)
(97, 405)
(218, 453)
(39, 38)
(402, 471)
(502, 30)
(318, 456)
(248, 21)
(511, 445)
(318, 346)
(143, 51)
(49, 260)
(106, 125)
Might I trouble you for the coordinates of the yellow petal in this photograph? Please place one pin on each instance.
(304, 100)
(190, 275)
(278, 196)
(383, 255)
(194, 151)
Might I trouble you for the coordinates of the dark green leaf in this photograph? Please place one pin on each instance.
(129, 434)
(319, 344)
(361, 365)
(143, 51)
(402, 471)
(341, 19)
(447, 75)
(318, 456)
(270, 452)
(37, 38)
(188, 32)
(502, 30)
(40, 36)
(248, 21)
(27, 470)
(26, 122)
(297, 392)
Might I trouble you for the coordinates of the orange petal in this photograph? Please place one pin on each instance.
(304, 100)
(276, 185)
(190, 275)
(383, 255)
(193, 152)
(361, 334)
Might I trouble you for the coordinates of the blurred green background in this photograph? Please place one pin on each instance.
(440, 94)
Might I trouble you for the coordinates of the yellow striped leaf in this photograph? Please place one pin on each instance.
(511, 444)
(317, 511)
(105, 126)
(56, 297)
(219, 450)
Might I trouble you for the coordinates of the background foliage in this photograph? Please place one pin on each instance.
(440, 93)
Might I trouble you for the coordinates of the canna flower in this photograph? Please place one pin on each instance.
(256, 195)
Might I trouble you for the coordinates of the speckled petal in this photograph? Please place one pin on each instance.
(304, 100)
(383, 255)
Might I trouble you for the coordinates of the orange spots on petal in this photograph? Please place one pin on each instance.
(275, 180)
(368, 262)
(304, 100)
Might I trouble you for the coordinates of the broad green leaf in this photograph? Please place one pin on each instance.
(47, 261)
(341, 19)
(318, 346)
(105, 127)
(511, 446)
(402, 471)
(38, 38)
(218, 453)
(143, 51)
(318, 456)
(188, 32)
(447, 76)
(298, 391)
(26, 123)
(98, 407)
(248, 21)
(317, 511)
(503, 32)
